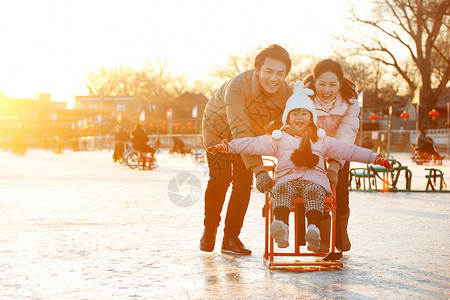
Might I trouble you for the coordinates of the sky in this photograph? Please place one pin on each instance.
(50, 46)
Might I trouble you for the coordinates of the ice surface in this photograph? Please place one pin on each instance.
(77, 226)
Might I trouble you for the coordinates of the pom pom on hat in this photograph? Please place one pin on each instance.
(299, 88)
(276, 134)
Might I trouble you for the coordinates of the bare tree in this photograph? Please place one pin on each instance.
(153, 83)
(235, 64)
(117, 81)
(302, 66)
(372, 77)
(418, 27)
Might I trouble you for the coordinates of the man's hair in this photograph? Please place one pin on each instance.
(275, 52)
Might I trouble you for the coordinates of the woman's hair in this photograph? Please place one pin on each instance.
(275, 52)
(347, 89)
(138, 126)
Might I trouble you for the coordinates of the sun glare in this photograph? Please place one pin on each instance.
(53, 48)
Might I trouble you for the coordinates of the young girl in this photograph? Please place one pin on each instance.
(301, 149)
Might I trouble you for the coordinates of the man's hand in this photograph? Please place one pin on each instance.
(222, 147)
(379, 160)
(264, 182)
(332, 172)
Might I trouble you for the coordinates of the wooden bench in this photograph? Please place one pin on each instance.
(432, 176)
(389, 178)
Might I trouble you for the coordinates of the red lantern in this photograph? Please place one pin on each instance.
(163, 124)
(151, 126)
(433, 114)
(189, 124)
(373, 117)
(176, 125)
(405, 115)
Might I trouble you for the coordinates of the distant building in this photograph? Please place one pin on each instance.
(182, 115)
(112, 103)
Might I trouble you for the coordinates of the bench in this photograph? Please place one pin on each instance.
(431, 177)
(359, 174)
(389, 178)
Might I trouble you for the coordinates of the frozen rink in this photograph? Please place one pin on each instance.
(77, 226)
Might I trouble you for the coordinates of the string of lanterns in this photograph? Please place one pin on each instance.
(405, 116)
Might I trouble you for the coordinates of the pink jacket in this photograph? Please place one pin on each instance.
(283, 148)
(341, 122)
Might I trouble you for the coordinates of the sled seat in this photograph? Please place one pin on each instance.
(303, 258)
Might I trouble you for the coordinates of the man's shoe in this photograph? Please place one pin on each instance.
(232, 245)
(208, 239)
(280, 232)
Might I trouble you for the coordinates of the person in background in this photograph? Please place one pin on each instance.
(242, 107)
(122, 137)
(140, 139)
(337, 109)
(178, 145)
(426, 144)
(157, 145)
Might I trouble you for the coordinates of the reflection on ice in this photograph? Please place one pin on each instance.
(78, 226)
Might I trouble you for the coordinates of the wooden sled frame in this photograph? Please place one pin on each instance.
(326, 260)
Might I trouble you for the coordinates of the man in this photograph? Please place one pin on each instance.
(242, 107)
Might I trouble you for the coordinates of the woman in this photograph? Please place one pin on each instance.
(337, 108)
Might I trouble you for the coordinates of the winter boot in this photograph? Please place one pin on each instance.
(280, 232)
(343, 244)
(313, 237)
(325, 228)
(208, 239)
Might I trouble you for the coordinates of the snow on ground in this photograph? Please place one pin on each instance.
(78, 226)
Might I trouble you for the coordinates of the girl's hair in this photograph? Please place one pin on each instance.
(312, 132)
(303, 156)
(347, 89)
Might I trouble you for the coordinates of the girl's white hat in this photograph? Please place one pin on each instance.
(299, 99)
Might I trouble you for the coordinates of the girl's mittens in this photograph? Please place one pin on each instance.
(379, 160)
(222, 147)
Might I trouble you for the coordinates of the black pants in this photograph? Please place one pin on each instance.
(226, 168)
(342, 202)
(342, 190)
